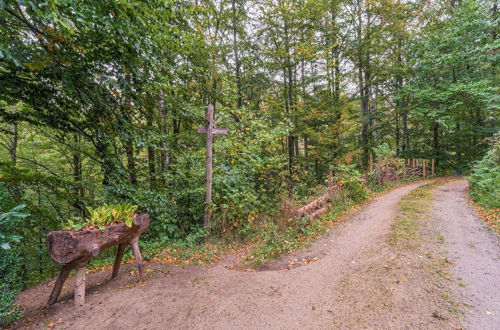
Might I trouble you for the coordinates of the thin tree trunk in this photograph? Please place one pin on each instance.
(435, 141)
(236, 55)
(164, 156)
(150, 149)
(78, 177)
(132, 172)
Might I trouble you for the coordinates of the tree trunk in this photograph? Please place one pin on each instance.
(435, 141)
(78, 177)
(150, 149)
(236, 55)
(129, 151)
(164, 156)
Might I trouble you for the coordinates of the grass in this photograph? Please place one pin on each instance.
(405, 229)
(406, 234)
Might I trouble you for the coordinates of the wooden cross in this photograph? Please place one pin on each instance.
(209, 130)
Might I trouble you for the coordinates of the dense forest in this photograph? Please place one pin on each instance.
(100, 101)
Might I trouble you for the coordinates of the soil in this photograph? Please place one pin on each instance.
(474, 249)
(351, 278)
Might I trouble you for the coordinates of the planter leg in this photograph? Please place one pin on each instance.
(80, 284)
(56, 291)
(118, 259)
(138, 258)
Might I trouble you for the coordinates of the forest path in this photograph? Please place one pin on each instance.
(475, 254)
(359, 281)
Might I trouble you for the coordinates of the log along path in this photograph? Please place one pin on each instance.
(447, 278)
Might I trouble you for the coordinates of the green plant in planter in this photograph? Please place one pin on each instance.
(124, 212)
(103, 216)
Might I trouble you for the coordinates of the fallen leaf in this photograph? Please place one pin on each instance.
(490, 313)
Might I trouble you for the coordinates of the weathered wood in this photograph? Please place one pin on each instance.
(79, 296)
(118, 260)
(65, 247)
(424, 165)
(209, 130)
(56, 291)
(317, 213)
(138, 258)
(432, 167)
(73, 250)
(204, 130)
(208, 167)
(314, 205)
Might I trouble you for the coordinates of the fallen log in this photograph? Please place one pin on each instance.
(314, 205)
(73, 250)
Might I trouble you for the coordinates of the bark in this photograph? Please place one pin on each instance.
(80, 284)
(73, 250)
(363, 90)
(236, 55)
(79, 191)
(66, 247)
(106, 161)
(406, 135)
(289, 102)
(132, 171)
(118, 260)
(13, 146)
(164, 156)
(435, 141)
(150, 150)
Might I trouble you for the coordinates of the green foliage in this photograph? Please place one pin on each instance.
(351, 180)
(485, 178)
(103, 216)
(10, 257)
(10, 218)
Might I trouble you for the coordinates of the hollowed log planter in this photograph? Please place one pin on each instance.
(73, 250)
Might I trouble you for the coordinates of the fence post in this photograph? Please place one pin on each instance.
(432, 167)
(424, 165)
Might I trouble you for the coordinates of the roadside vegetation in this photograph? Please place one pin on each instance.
(485, 184)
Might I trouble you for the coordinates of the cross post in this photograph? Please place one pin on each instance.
(209, 130)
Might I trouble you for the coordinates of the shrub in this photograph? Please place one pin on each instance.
(10, 284)
(485, 178)
(352, 183)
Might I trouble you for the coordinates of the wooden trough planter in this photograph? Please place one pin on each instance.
(73, 250)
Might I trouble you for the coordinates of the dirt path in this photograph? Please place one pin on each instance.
(475, 251)
(358, 281)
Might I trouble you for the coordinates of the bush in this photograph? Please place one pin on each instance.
(352, 182)
(10, 284)
(485, 178)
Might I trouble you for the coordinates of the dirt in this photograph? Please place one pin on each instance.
(350, 278)
(475, 250)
